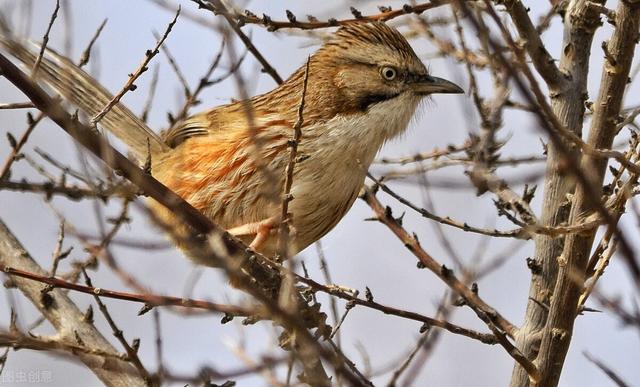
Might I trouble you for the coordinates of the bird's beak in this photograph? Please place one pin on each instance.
(426, 84)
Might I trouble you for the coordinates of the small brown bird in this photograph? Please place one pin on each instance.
(364, 85)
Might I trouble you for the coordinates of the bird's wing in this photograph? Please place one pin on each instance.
(221, 120)
(197, 125)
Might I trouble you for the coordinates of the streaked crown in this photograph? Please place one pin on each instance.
(361, 65)
(373, 44)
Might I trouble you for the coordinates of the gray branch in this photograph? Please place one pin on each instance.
(65, 317)
(567, 102)
(618, 57)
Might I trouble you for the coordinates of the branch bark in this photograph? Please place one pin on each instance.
(575, 255)
(567, 103)
(65, 317)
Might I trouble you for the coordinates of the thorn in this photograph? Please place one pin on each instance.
(78, 338)
(145, 308)
(291, 17)
(226, 318)
(534, 266)
(445, 271)
(135, 344)
(607, 54)
(88, 315)
(147, 162)
(12, 140)
(367, 294)
(13, 324)
(459, 302)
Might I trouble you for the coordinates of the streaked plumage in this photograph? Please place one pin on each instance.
(364, 85)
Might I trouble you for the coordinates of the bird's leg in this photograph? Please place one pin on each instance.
(260, 229)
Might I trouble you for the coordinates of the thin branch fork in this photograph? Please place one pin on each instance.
(486, 338)
(526, 231)
(519, 233)
(432, 154)
(496, 322)
(33, 122)
(384, 216)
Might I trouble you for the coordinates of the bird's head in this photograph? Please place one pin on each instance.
(373, 63)
(366, 80)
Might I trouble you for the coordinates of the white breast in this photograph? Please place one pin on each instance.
(328, 181)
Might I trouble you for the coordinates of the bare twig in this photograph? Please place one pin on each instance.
(273, 25)
(149, 299)
(45, 40)
(132, 354)
(152, 92)
(142, 67)
(498, 324)
(285, 217)
(615, 378)
(333, 290)
(86, 54)
(16, 105)
(33, 122)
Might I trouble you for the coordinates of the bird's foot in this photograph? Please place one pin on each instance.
(261, 230)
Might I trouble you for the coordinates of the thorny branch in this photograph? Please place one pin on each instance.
(497, 323)
(573, 183)
(149, 299)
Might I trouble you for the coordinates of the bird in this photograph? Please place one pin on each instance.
(363, 86)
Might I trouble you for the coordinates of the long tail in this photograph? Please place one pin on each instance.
(83, 91)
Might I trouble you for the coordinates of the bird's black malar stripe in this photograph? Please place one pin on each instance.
(371, 99)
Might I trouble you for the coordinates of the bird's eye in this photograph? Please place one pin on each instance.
(388, 73)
